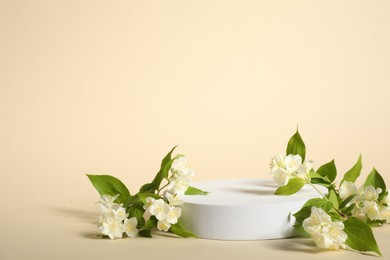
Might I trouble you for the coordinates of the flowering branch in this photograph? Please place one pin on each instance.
(343, 217)
(155, 206)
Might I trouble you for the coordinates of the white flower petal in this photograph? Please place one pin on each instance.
(280, 176)
(147, 214)
(347, 189)
(278, 162)
(385, 214)
(370, 193)
(173, 215)
(163, 225)
(178, 165)
(111, 227)
(326, 233)
(106, 202)
(119, 212)
(159, 209)
(172, 199)
(371, 209)
(149, 202)
(293, 162)
(179, 185)
(131, 227)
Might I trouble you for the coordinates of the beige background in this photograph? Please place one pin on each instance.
(110, 86)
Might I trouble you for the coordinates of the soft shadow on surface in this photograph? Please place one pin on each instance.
(297, 245)
(92, 236)
(270, 185)
(257, 192)
(81, 215)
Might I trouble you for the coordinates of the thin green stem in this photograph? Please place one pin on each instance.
(158, 192)
(323, 195)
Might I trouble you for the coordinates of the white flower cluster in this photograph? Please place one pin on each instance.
(326, 233)
(366, 200)
(166, 213)
(181, 176)
(283, 168)
(113, 221)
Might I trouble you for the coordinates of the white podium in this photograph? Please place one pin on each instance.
(242, 209)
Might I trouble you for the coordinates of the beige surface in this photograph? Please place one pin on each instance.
(111, 86)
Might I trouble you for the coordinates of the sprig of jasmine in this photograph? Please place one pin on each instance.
(343, 217)
(155, 206)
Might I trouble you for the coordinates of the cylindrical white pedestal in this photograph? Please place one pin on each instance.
(242, 209)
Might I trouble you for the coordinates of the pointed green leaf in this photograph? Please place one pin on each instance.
(293, 186)
(323, 181)
(314, 174)
(332, 197)
(354, 172)
(106, 184)
(179, 230)
(148, 187)
(375, 179)
(166, 164)
(319, 203)
(328, 170)
(195, 191)
(296, 146)
(360, 236)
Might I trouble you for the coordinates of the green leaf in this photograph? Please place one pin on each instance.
(314, 174)
(319, 203)
(346, 201)
(348, 210)
(150, 224)
(145, 233)
(106, 184)
(166, 164)
(328, 170)
(300, 231)
(375, 179)
(323, 181)
(296, 146)
(354, 172)
(301, 215)
(332, 197)
(375, 223)
(143, 196)
(130, 200)
(293, 186)
(195, 191)
(360, 236)
(136, 210)
(179, 230)
(148, 187)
